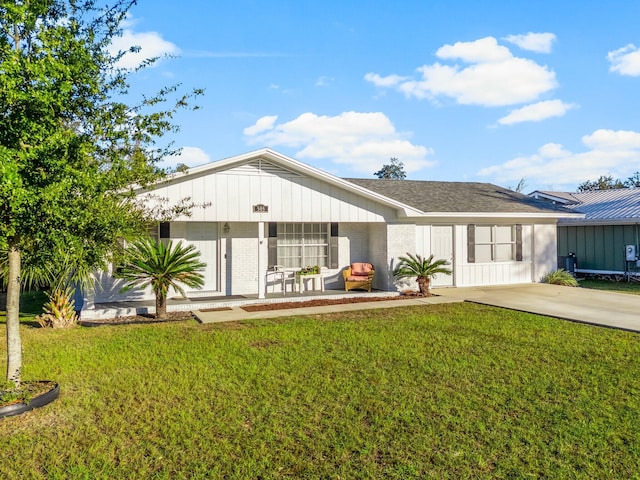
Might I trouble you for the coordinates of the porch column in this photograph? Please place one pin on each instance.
(262, 260)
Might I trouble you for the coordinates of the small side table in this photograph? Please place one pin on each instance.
(314, 277)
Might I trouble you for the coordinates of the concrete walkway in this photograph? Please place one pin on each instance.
(583, 305)
(597, 307)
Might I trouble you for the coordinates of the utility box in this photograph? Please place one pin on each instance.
(570, 262)
(630, 253)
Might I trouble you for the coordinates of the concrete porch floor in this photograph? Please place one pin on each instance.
(176, 304)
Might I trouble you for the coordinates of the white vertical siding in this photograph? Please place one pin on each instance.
(231, 195)
(493, 273)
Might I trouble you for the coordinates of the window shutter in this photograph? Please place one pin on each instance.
(333, 246)
(273, 244)
(518, 242)
(471, 243)
(165, 230)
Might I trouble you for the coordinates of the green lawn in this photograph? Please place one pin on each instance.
(446, 391)
(621, 287)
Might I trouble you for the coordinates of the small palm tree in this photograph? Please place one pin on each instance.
(161, 266)
(423, 269)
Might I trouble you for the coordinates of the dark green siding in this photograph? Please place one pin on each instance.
(599, 247)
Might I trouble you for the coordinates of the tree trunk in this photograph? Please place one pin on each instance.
(423, 285)
(14, 344)
(161, 307)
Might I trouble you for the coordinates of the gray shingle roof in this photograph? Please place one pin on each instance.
(457, 197)
(615, 205)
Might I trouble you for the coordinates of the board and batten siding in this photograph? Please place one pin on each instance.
(492, 273)
(440, 245)
(230, 195)
(597, 247)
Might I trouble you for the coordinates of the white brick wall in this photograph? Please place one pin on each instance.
(401, 238)
(242, 258)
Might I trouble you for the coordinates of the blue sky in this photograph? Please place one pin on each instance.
(490, 91)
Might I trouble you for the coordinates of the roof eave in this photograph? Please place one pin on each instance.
(502, 215)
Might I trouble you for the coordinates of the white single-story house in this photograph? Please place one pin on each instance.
(264, 208)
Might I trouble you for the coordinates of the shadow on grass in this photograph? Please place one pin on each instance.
(30, 306)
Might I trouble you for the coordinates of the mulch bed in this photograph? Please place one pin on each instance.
(320, 303)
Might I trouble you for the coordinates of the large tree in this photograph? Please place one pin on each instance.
(71, 147)
(393, 170)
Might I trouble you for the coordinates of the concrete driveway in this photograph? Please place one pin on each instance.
(617, 310)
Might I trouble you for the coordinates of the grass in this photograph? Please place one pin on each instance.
(620, 287)
(30, 305)
(446, 391)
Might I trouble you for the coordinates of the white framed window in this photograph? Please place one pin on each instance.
(299, 245)
(494, 243)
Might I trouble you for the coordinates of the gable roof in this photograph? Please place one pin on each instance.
(411, 198)
(608, 206)
(564, 198)
(461, 197)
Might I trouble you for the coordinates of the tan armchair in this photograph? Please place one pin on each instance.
(358, 275)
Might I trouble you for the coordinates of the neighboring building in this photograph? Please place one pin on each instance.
(266, 208)
(606, 240)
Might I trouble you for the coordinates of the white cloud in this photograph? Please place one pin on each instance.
(534, 42)
(608, 153)
(612, 140)
(151, 45)
(484, 50)
(388, 81)
(189, 156)
(625, 60)
(324, 81)
(362, 141)
(494, 77)
(263, 124)
(536, 112)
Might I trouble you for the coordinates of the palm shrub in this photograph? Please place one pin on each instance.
(560, 277)
(59, 310)
(162, 266)
(422, 269)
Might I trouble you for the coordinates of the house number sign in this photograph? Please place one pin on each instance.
(260, 208)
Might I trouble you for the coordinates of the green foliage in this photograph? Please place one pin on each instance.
(393, 170)
(71, 150)
(448, 391)
(152, 263)
(309, 270)
(9, 393)
(605, 182)
(633, 181)
(422, 269)
(560, 277)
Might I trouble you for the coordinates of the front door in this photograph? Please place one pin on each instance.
(204, 236)
(442, 247)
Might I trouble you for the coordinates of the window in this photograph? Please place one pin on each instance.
(494, 243)
(298, 245)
